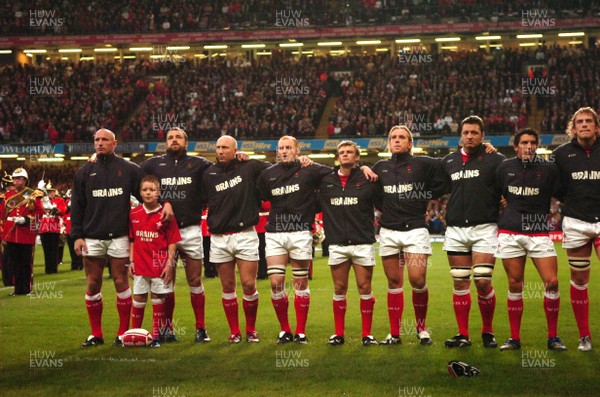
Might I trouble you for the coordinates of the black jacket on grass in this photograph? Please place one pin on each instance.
(348, 211)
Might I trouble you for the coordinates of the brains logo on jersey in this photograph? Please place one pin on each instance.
(408, 169)
(120, 172)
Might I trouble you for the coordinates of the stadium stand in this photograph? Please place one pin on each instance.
(153, 16)
(272, 96)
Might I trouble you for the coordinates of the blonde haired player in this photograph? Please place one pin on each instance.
(579, 164)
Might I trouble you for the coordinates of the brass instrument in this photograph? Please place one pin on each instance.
(25, 197)
(31, 197)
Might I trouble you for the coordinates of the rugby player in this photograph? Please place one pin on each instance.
(230, 189)
(291, 190)
(100, 205)
(472, 234)
(579, 164)
(407, 184)
(528, 183)
(347, 200)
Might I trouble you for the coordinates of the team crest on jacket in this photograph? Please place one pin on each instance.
(120, 172)
(538, 175)
(408, 168)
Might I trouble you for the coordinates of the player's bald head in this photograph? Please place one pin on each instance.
(226, 148)
(106, 131)
(228, 141)
(104, 141)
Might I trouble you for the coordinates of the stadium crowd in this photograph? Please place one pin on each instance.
(237, 98)
(272, 96)
(64, 102)
(574, 73)
(431, 92)
(32, 17)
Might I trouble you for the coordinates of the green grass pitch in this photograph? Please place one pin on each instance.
(40, 337)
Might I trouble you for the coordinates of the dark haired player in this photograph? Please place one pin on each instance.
(471, 237)
(528, 183)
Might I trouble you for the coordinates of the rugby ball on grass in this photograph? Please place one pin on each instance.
(137, 337)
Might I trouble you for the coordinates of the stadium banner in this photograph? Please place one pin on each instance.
(87, 148)
(330, 145)
(326, 145)
(280, 34)
(40, 149)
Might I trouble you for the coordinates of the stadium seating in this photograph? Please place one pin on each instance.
(139, 16)
(272, 96)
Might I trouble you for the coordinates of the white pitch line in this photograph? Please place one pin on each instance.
(57, 281)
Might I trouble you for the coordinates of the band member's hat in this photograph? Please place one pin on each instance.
(7, 178)
(20, 172)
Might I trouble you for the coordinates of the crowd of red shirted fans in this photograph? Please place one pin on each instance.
(271, 97)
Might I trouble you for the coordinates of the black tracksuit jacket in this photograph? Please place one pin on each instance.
(100, 203)
(232, 195)
(348, 211)
(475, 198)
(181, 183)
(580, 180)
(528, 187)
(292, 192)
(407, 184)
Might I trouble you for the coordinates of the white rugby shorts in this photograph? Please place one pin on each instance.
(298, 245)
(480, 238)
(242, 245)
(392, 242)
